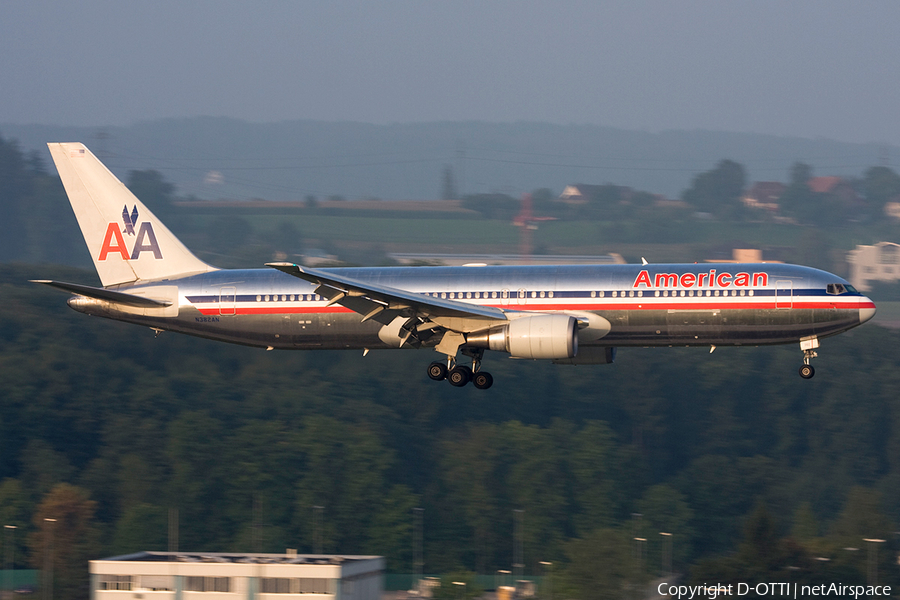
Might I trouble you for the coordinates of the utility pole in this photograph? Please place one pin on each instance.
(257, 524)
(548, 576)
(418, 554)
(873, 560)
(460, 168)
(173, 530)
(317, 527)
(47, 586)
(10, 556)
(518, 560)
(667, 552)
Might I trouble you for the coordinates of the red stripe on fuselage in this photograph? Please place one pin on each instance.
(631, 304)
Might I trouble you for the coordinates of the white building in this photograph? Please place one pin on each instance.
(880, 262)
(218, 576)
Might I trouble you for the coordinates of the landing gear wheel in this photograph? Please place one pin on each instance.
(483, 380)
(437, 371)
(459, 376)
(807, 371)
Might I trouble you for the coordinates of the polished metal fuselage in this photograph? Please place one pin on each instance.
(645, 305)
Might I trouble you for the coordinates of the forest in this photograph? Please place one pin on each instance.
(105, 427)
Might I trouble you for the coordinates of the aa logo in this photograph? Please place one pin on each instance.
(144, 239)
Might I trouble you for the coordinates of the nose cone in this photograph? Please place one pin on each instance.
(866, 310)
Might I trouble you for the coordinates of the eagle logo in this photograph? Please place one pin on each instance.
(130, 220)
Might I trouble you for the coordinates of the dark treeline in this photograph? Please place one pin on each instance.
(752, 469)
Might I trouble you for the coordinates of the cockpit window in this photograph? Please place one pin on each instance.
(836, 289)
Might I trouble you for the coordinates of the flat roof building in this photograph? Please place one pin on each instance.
(868, 264)
(226, 576)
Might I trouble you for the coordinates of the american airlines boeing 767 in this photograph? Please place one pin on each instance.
(575, 315)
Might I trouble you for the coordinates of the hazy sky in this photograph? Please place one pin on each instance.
(812, 68)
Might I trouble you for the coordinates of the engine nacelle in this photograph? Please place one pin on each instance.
(540, 336)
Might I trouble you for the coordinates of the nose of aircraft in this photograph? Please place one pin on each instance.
(866, 309)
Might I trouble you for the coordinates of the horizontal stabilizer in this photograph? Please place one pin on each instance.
(104, 294)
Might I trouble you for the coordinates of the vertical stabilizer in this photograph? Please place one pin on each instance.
(126, 241)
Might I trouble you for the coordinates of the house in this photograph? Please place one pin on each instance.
(764, 195)
(582, 193)
(892, 210)
(838, 187)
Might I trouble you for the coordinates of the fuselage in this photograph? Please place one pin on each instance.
(708, 304)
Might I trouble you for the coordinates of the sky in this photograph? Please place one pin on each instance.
(808, 68)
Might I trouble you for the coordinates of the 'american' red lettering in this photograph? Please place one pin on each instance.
(706, 279)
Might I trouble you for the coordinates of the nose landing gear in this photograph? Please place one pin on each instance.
(807, 371)
(808, 345)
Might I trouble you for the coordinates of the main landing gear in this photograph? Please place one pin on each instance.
(808, 346)
(460, 375)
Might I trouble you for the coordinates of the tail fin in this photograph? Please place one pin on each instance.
(126, 241)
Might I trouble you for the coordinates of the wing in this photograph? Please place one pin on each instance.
(384, 303)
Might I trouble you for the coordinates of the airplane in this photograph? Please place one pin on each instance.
(568, 314)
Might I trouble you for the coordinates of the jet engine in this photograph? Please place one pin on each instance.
(539, 336)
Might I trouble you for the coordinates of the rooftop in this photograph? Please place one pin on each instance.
(227, 557)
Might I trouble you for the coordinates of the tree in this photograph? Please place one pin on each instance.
(862, 517)
(15, 510)
(64, 528)
(665, 509)
(15, 185)
(880, 185)
(287, 238)
(798, 200)
(141, 527)
(718, 191)
(228, 233)
(602, 566)
(153, 190)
